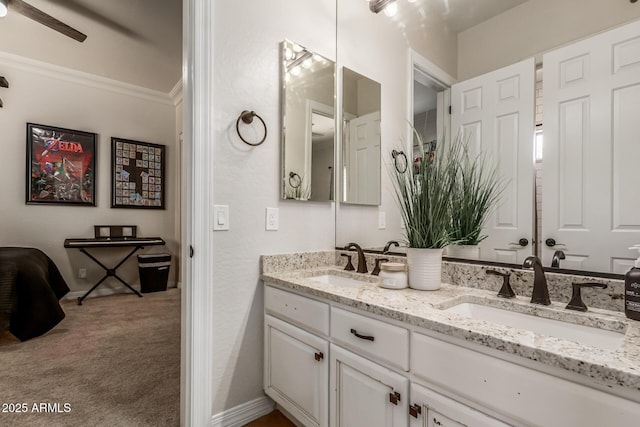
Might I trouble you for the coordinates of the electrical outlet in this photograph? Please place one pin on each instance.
(82, 273)
(272, 219)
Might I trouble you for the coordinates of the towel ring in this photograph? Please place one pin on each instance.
(403, 166)
(247, 118)
(292, 176)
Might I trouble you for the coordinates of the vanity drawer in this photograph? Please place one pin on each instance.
(371, 337)
(306, 312)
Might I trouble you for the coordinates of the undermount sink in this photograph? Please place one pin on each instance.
(332, 279)
(588, 335)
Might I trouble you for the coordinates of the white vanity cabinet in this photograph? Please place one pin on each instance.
(524, 396)
(331, 365)
(296, 362)
(365, 394)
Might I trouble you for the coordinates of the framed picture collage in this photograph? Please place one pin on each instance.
(137, 174)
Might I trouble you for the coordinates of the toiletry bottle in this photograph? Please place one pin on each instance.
(632, 289)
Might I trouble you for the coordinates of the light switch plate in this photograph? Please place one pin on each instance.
(220, 217)
(272, 219)
(382, 220)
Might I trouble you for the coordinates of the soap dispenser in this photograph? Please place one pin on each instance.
(632, 289)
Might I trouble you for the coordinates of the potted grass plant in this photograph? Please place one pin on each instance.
(475, 194)
(423, 194)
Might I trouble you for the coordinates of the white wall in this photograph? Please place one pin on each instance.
(247, 36)
(51, 95)
(533, 28)
(375, 46)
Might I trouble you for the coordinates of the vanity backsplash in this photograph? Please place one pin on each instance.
(469, 275)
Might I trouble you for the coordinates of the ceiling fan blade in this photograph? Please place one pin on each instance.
(48, 20)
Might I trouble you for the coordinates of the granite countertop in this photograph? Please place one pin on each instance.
(609, 368)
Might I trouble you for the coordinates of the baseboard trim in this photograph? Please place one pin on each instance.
(243, 414)
(105, 291)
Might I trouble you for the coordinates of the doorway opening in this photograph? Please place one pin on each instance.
(430, 107)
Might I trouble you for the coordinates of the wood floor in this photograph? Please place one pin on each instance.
(274, 419)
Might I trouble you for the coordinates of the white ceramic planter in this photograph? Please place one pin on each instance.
(464, 251)
(425, 268)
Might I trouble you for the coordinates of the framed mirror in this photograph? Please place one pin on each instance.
(361, 150)
(479, 46)
(308, 124)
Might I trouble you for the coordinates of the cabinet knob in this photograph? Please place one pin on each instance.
(319, 356)
(415, 410)
(394, 397)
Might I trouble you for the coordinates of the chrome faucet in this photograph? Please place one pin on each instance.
(540, 293)
(362, 262)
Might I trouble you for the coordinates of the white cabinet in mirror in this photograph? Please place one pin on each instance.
(308, 124)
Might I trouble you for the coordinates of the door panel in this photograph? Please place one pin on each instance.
(364, 159)
(495, 113)
(591, 150)
(437, 410)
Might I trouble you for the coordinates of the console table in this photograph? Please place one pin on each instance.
(135, 243)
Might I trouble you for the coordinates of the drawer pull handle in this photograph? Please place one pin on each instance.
(319, 356)
(415, 410)
(436, 422)
(394, 397)
(362, 337)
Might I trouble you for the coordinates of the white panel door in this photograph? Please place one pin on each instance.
(364, 394)
(296, 371)
(590, 194)
(495, 113)
(364, 160)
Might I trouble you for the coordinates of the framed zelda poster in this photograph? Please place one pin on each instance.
(61, 166)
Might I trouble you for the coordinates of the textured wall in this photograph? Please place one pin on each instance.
(247, 77)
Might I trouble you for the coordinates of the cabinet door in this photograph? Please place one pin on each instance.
(364, 394)
(431, 409)
(296, 370)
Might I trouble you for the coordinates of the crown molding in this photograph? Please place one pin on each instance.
(176, 93)
(82, 78)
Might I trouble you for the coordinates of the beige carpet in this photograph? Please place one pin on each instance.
(114, 361)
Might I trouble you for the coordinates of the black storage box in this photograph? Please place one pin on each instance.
(154, 272)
